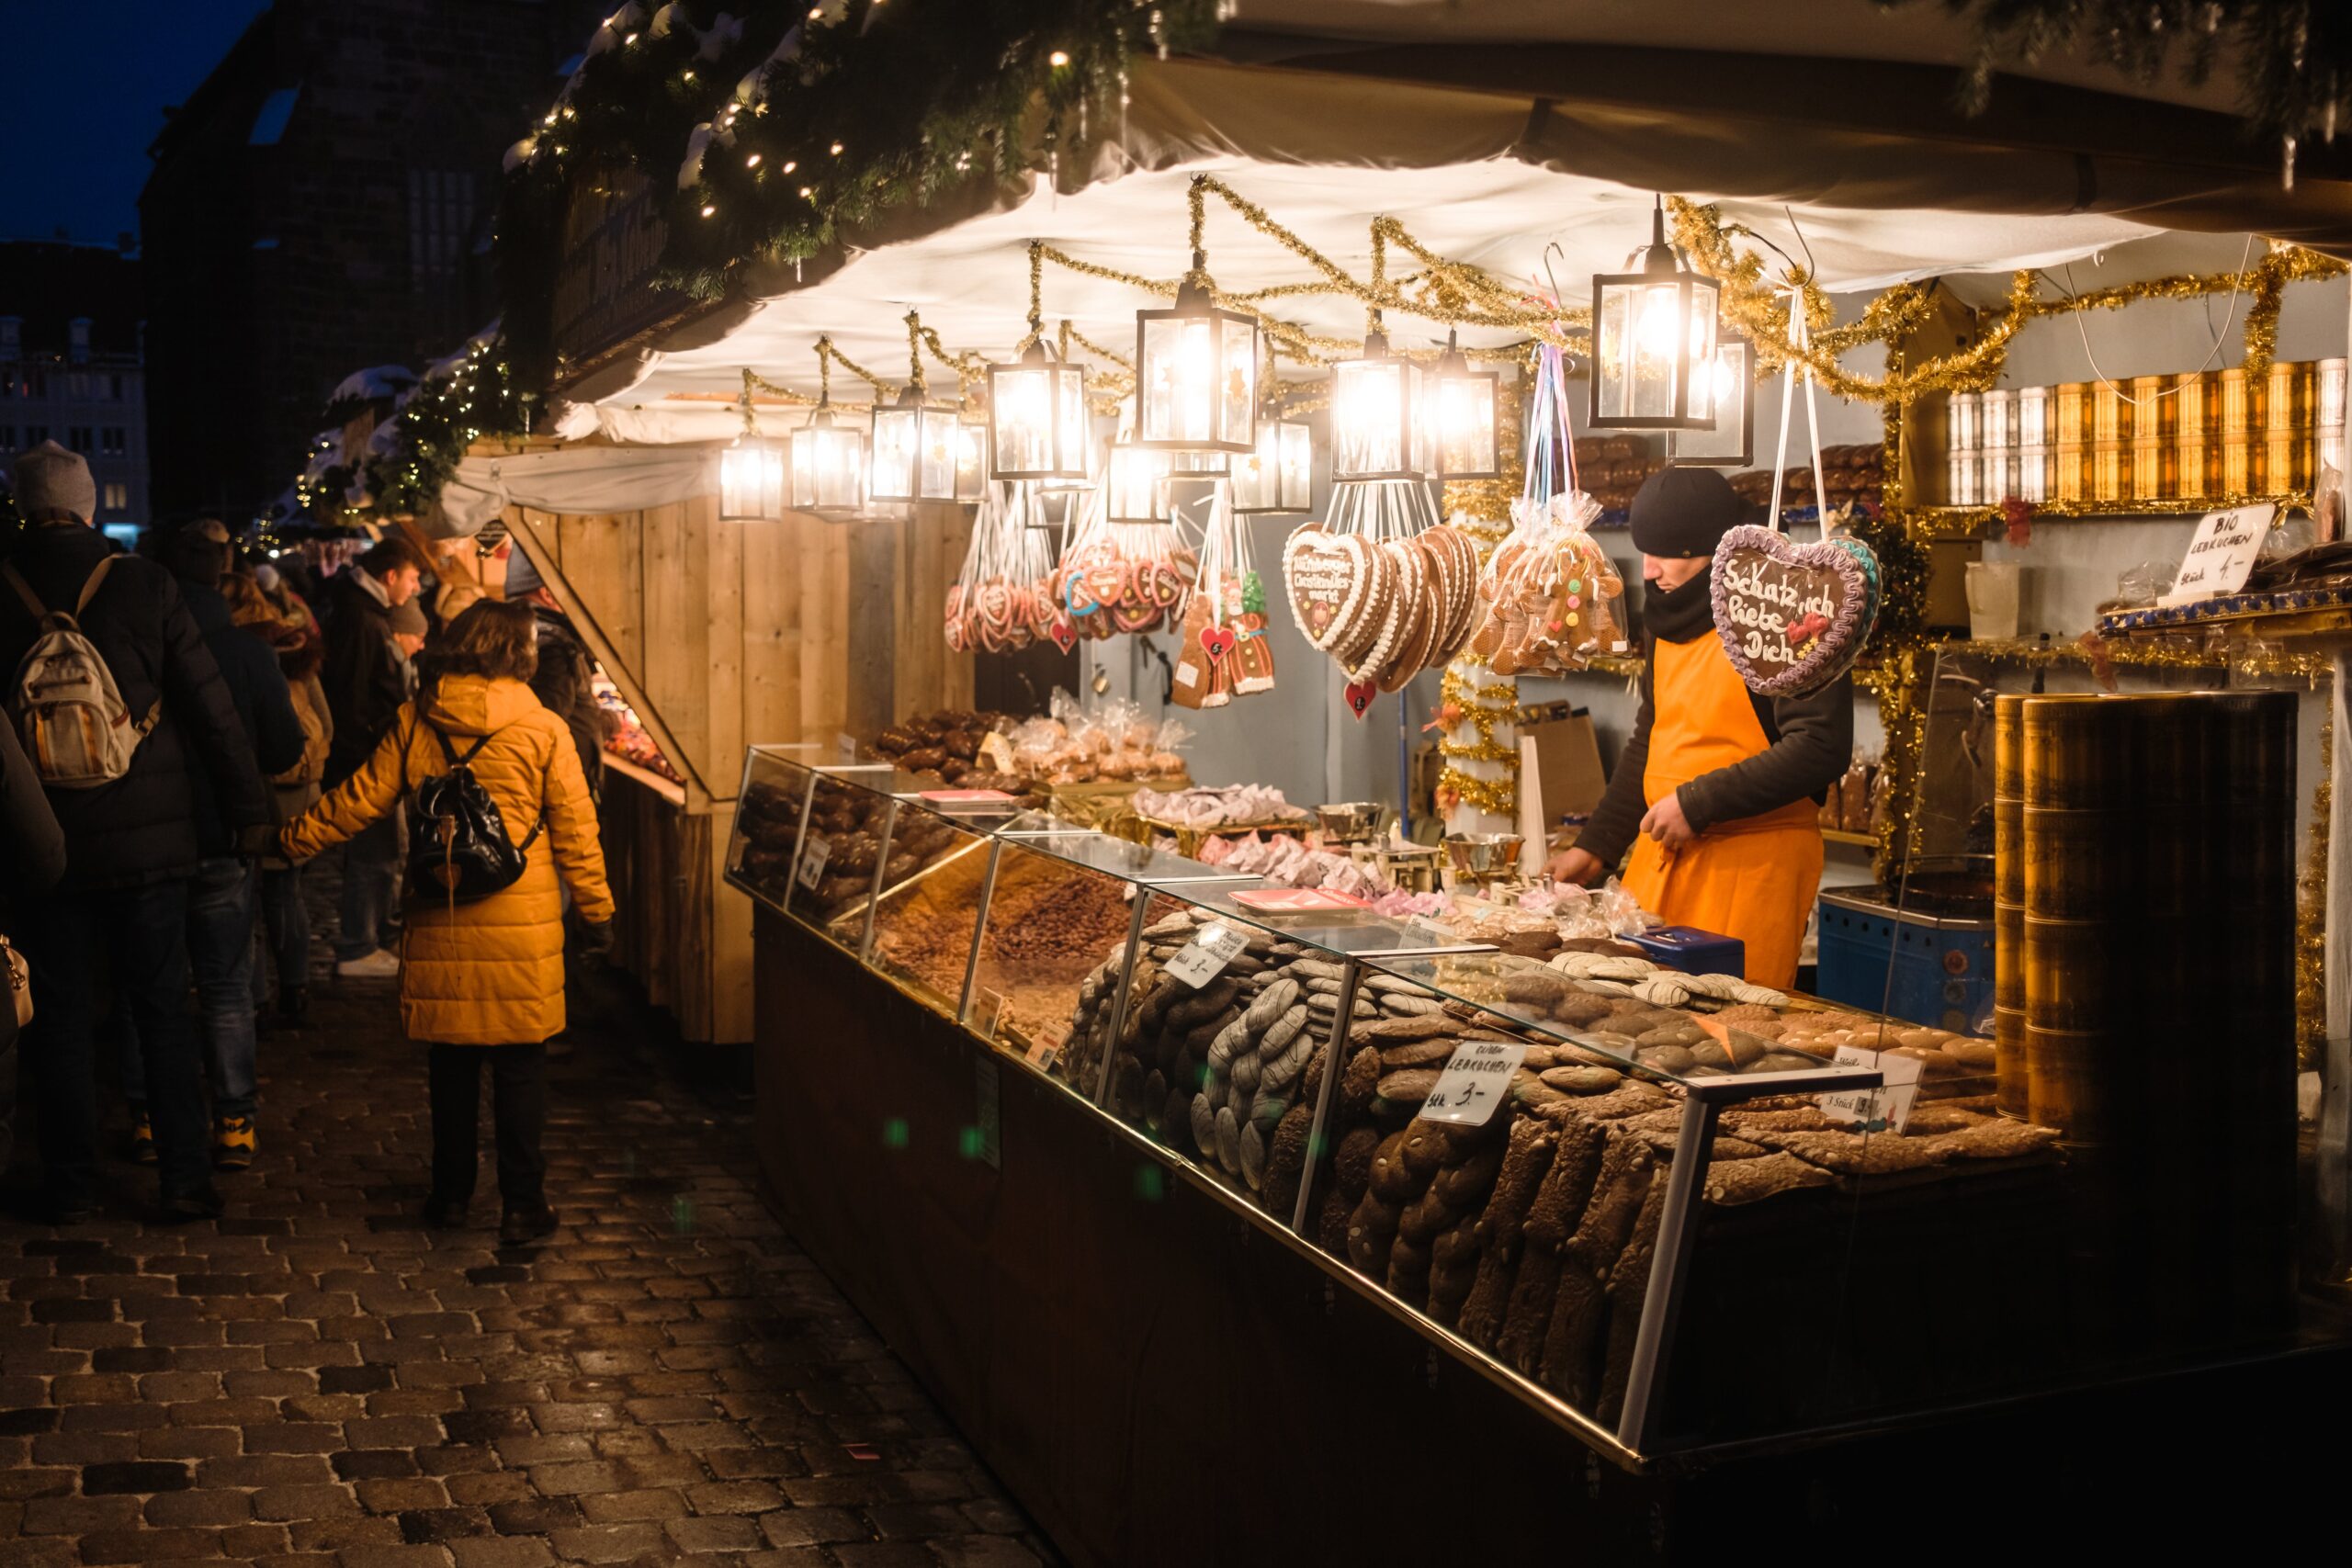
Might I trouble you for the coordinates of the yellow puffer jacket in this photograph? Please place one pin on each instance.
(488, 973)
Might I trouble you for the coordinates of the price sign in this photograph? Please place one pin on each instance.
(2222, 554)
(1475, 1083)
(1205, 956)
(1875, 1109)
(813, 856)
(1425, 923)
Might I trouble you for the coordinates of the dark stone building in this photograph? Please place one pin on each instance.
(73, 365)
(323, 202)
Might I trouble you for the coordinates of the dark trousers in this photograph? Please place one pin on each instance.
(284, 933)
(144, 933)
(518, 1082)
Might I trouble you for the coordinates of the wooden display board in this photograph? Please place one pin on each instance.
(723, 636)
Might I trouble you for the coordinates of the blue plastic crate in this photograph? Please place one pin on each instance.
(1942, 965)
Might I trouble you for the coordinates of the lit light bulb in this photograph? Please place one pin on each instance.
(1658, 326)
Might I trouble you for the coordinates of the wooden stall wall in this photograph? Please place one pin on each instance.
(727, 635)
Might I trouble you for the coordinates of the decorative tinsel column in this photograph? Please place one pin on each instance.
(1478, 711)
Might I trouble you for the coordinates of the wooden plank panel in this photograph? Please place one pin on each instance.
(601, 559)
(875, 581)
(677, 630)
(723, 572)
(825, 612)
(956, 689)
(730, 942)
(771, 571)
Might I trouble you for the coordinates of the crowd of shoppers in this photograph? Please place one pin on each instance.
(184, 730)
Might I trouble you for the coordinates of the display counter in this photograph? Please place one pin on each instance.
(1208, 1226)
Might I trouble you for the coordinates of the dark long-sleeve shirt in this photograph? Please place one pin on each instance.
(32, 846)
(1811, 745)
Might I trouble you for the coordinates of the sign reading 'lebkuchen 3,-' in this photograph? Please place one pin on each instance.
(1790, 615)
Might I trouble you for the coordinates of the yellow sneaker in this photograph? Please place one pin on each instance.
(143, 1140)
(233, 1143)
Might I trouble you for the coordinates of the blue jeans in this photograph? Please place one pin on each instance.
(143, 932)
(220, 952)
(221, 956)
(369, 864)
(282, 938)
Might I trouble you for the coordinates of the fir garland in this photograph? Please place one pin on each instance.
(767, 134)
(2293, 58)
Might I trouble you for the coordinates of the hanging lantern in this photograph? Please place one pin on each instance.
(1134, 484)
(1037, 424)
(1278, 477)
(1728, 386)
(1196, 373)
(750, 473)
(914, 450)
(828, 458)
(1653, 329)
(972, 455)
(1381, 427)
(1466, 447)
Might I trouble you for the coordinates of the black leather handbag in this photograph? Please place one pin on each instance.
(458, 848)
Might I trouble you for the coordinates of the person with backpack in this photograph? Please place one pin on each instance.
(285, 623)
(117, 700)
(367, 679)
(222, 898)
(500, 825)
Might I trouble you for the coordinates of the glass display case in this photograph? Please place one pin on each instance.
(1608, 1180)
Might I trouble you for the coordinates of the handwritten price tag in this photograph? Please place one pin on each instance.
(812, 862)
(2222, 554)
(1475, 1083)
(1205, 956)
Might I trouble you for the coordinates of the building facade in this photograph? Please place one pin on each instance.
(72, 366)
(321, 202)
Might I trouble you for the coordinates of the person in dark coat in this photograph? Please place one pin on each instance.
(32, 857)
(367, 679)
(131, 844)
(222, 899)
(563, 681)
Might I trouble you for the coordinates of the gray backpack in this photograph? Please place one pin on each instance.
(76, 727)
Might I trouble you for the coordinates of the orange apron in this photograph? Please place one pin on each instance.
(1755, 878)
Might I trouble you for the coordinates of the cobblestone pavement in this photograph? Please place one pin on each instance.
(318, 1379)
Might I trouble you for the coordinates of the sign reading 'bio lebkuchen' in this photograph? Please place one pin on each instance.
(1792, 616)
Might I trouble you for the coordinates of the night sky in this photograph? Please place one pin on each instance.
(82, 86)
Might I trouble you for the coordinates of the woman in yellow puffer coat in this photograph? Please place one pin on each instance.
(484, 980)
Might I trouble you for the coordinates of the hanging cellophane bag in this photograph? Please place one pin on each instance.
(1554, 598)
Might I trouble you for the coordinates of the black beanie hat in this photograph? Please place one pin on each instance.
(1685, 512)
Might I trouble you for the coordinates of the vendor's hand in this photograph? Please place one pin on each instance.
(1666, 823)
(1579, 866)
(596, 940)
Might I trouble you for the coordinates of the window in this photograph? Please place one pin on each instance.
(77, 386)
(35, 434)
(118, 498)
(78, 331)
(7, 438)
(78, 437)
(114, 389)
(114, 441)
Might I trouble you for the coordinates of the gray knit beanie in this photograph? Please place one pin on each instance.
(49, 480)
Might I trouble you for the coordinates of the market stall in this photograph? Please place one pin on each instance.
(1305, 1097)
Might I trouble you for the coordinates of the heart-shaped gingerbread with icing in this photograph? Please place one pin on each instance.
(1793, 617)
(1328, 577)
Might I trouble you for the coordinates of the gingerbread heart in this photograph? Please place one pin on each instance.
(1216, 641)
(1793, 617)
(1359, 694)
(1328, 577)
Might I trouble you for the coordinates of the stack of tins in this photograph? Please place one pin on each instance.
(2157, 846)
(2008, 905)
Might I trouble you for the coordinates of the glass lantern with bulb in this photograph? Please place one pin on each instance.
(1654, 341)
(1727, 384)
(827, 456)
(972, 454)
(914, 446)
(1467, 446)
(1134, 483)
(750, 473)
(1196, 373)
(1278, 478)
(1381, 427)
(1037, 426)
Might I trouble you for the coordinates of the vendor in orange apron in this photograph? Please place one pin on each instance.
(1720, 788)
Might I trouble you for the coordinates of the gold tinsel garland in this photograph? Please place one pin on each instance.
(1759, 307)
